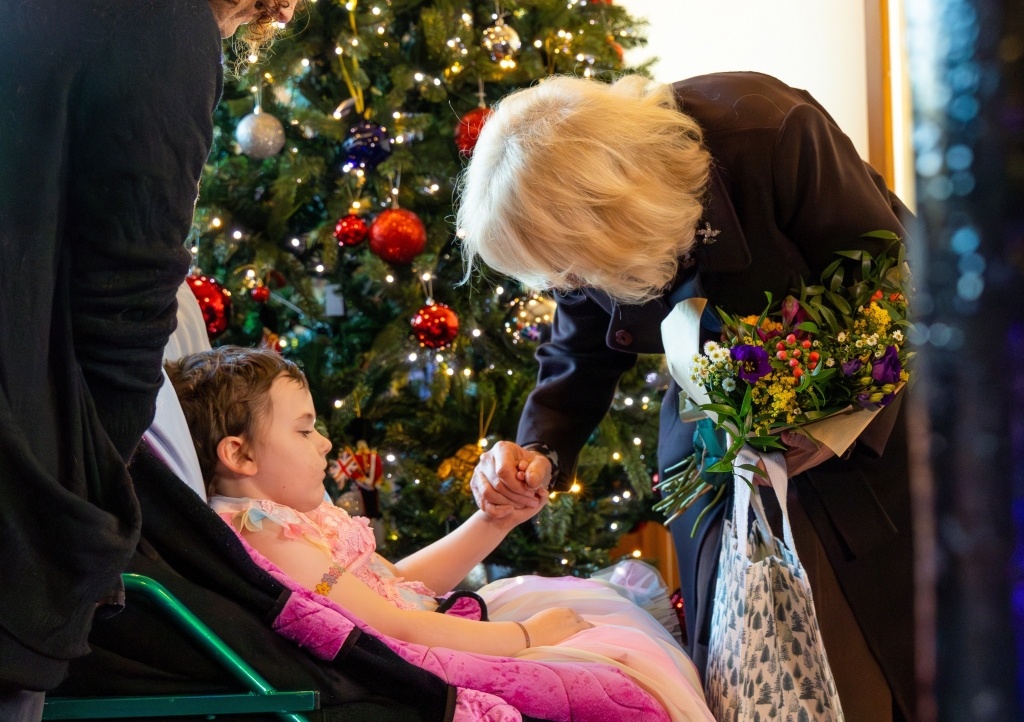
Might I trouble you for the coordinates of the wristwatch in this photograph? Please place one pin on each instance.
(548, 453)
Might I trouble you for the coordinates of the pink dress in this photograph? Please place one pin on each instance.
(624, 636)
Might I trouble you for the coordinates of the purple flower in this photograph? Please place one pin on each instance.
(865, 400)
(753, 362)
(852, 366)
(886, 370)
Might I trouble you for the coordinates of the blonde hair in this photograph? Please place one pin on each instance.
(575, 182)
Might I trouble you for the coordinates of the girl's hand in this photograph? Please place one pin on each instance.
(553, 625)
(503, 486)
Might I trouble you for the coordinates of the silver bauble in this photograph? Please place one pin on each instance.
(500, 41)
(260, 135)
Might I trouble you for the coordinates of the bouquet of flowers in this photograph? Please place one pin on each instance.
(821, 362)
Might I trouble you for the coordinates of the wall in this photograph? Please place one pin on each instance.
(811, 44)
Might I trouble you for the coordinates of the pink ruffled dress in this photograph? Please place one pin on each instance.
(624, 634)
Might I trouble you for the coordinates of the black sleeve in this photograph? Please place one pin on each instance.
(826, 197)
(140, 129)
(575, 384)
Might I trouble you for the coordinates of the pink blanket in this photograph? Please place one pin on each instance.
(492, 689)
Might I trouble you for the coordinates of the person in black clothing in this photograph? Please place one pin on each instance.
(624, 199)
(106, 124)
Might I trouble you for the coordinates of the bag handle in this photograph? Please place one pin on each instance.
(775, 465)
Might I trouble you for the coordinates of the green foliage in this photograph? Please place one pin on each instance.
(415, 68)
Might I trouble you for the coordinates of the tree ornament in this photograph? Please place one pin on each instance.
(435, 325)
(260, 293)
(500, 41)
(468, 129)
(397, 235)
(460, 467)
(530, 318)
(364, 468)
(214, 301)
(260, 135)
(367, 145)
(351, 230)
(619, 52)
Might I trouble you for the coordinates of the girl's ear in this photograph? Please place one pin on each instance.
(232, 451)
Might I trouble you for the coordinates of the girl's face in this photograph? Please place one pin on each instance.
(289, 453)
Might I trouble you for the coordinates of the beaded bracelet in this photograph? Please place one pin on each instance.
(329, 579)
(526, 634)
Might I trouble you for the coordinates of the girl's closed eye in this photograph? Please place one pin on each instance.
(306, 432)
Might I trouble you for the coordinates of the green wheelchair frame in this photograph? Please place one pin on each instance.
(261, 698)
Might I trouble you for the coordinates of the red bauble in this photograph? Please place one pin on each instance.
(260, 293)
(351, 230)
(469, 127)
(617, 48)
(435, 325)
(398, 235)
(214, 302)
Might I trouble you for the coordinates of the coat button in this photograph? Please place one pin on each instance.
(623, 338)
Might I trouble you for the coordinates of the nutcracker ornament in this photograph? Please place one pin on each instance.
(363, 468)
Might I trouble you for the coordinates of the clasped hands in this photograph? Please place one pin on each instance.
(509, 480)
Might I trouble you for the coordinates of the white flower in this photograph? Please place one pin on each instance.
(841, 338)
(728, 385)
(898, 335)
(858, 343)
(830, 362)
(710, 347)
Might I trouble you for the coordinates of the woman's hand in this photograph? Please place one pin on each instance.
(804, 453)
(510, 479)
(553, 625)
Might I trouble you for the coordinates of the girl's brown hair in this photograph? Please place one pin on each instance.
(226, 392)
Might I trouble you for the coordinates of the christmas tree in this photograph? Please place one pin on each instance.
(324, 229)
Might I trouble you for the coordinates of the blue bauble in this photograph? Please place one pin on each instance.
(367, 145)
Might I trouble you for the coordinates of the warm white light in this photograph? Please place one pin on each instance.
(466, 373)
(296, 242)
(412, 357)
(338, 403)
(338, 50)
(626, 494)
(355, 42)
(476, 333)
(449, 371)
(614, 525)
(390, 457)
(499, 290)
(437, 81)
(396, 115)
(418, 77)
(628, 401)
(215, 223)
(636, 440)
(356, 205)
(305, 62)
(575, 488)
(637, 553)
(482, 442)
(616, 456)
(375, 10)
(425, 276)
(389, 278)
(439, 358)
(236, 235)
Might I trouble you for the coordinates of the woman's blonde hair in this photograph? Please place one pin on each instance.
(258, 34)
(576, 182)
